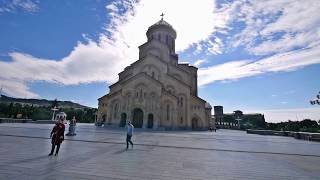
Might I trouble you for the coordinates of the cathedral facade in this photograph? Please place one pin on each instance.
(156, 91)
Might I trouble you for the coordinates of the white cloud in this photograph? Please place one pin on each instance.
(274, 26)
(286, 32)
(199, 62)
(197, 24)
(14, 5)
(244, 68)
(116, 48)
(16, 88)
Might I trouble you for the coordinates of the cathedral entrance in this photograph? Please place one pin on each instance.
(137, 120)
(123, 120)
(195, 124)
(104, 118)
(150, 121)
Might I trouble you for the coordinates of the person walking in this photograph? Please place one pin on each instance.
(57, 136)
(130, 128)
(74, 122)
(72, 127)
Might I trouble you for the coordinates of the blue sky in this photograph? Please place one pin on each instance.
(256, 56)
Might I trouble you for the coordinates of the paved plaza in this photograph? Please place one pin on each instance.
(99, 153)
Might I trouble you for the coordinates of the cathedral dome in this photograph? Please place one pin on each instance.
(160, 23)
(163, 26)
(163, 32)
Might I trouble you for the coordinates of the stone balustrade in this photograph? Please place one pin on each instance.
(297, 135)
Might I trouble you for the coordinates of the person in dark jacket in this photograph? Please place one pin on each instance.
(57, 136)
(129, 134)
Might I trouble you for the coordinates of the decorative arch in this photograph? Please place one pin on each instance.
(167, 107)
(170, 89)
(127, 99)
(140, 90)
(137, 118)
(151, 70)
(115, 109)
(196, 123)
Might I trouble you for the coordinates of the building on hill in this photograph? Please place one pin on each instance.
(232, 120)
(156, 91)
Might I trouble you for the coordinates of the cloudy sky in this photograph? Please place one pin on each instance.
(256, 56)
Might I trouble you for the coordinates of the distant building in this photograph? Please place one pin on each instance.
(218, 113)
(156, 91)
(231, 120)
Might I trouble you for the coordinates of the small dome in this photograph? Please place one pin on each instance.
(208, 106)
(161, 25)
(161, 22)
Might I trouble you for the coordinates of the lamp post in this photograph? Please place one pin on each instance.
(54, 109)
(238, 119)
(238, 116)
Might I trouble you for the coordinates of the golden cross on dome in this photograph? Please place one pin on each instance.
(162, 16)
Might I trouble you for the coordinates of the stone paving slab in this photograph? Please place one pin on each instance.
(99, 153)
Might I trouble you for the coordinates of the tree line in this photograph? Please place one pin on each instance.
(34, 112)
(257, 121)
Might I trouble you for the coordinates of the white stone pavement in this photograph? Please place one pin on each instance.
(99, 153)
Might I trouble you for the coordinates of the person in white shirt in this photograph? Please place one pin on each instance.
(129, 134)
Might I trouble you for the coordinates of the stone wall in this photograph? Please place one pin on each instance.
(297, 135)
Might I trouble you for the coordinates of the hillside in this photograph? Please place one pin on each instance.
(41, 102)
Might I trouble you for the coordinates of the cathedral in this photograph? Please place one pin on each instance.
(156, 91)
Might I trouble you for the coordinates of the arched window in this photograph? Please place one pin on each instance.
(159, 37)
(168, 112)
(152, 74)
